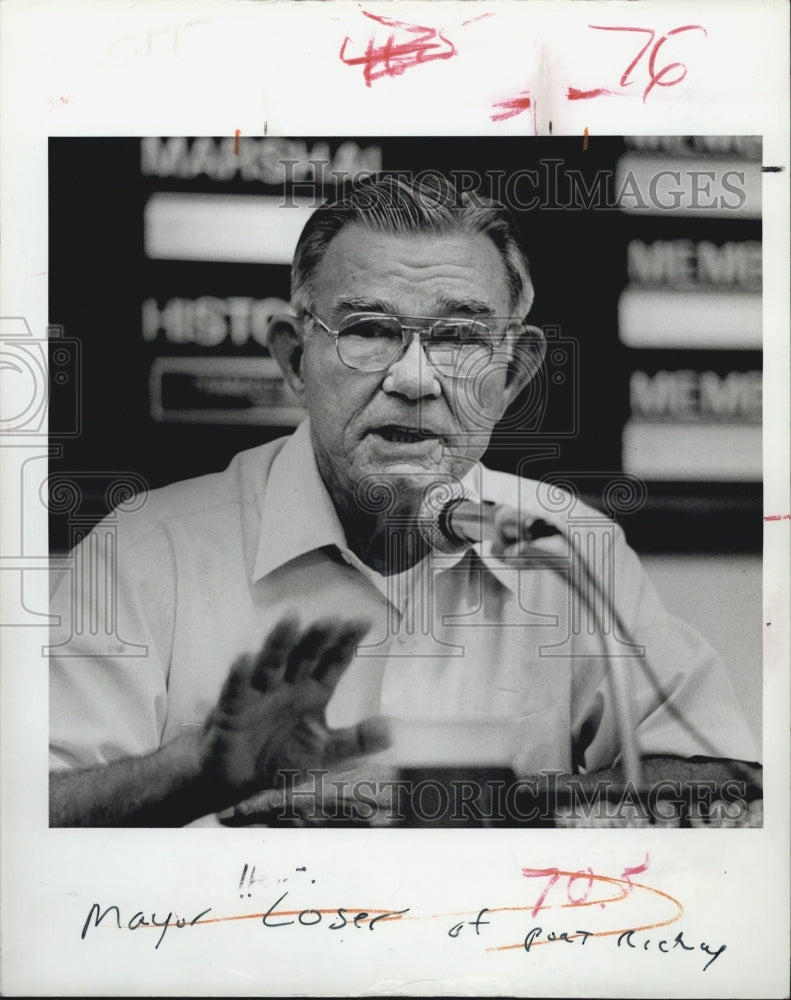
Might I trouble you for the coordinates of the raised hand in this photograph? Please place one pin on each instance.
(270, 714)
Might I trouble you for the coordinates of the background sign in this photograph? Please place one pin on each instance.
(645, 254)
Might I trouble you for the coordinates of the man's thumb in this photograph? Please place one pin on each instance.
(368, 736)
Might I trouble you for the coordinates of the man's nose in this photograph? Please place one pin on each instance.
(412, 375)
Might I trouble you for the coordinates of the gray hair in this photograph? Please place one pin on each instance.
(427, 203)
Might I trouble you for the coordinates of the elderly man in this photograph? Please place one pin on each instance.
(285, 608)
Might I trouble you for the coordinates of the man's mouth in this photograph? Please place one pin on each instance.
(398, 434)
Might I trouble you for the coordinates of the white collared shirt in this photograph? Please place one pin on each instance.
(159, 602)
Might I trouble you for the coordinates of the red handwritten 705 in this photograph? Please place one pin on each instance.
(656, 78)
(581, 894)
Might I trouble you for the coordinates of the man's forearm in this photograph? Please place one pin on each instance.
(660, 772)
(666, 768)
(164, 788)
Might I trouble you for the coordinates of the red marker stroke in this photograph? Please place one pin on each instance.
(408, 45)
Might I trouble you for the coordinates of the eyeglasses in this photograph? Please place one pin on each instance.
(457, 347)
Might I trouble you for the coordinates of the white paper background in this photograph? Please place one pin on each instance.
(208, 69)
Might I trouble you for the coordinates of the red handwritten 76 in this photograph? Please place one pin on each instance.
(656, 77)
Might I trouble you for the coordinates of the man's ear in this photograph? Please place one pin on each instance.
(285, 338)
(527, 356)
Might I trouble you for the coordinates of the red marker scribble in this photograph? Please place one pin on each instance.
(777, 517)
(480, 17)
(572, 94)
(512, 107)
(418, 44)
(58, 102)
(237, 133)
(656, 77)
(637, 870)
(624, 885)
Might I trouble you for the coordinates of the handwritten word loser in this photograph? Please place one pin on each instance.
(309, 918)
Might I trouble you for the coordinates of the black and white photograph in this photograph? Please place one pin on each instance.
(405, 437)
(394, 429)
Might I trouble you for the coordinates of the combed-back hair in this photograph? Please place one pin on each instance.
(427, 203)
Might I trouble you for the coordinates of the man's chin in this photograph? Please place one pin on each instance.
(406, 482)
(396, 478)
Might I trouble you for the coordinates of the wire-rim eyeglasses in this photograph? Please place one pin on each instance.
(456, 346)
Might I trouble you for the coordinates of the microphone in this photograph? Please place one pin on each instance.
(450, 519)
(449, 524)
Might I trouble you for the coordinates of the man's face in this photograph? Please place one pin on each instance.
(367, 423)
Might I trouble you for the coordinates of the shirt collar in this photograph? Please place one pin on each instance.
(298, 515)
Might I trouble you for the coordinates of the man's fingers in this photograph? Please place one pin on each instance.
(337, 656)
(260, 805)
(368, 736)
(268, 666)
(321, 651)
(236, 683)
(311, 648)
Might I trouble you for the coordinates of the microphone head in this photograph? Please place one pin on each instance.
(439, 501)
